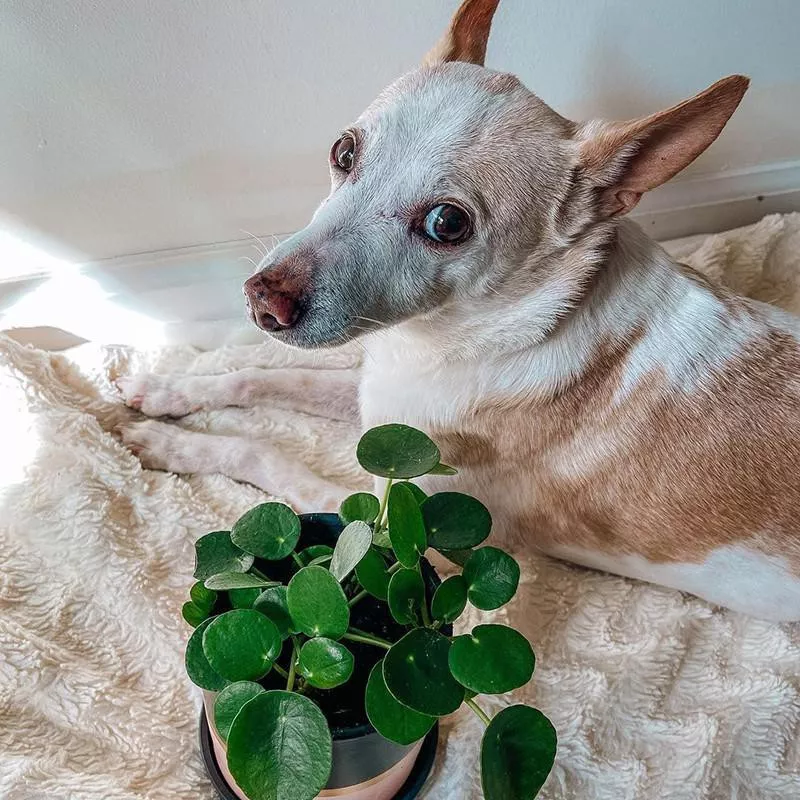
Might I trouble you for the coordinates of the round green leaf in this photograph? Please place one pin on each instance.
(455, 521)
(229, 702)
(493, 659)
(362, 505)
(391, 719)
(406, 595)
(492, 578)
(241, 645)
(202, 597)
(450, 599)
(325, 663)
(193, 615)
(317, 603)
(274, 604)
(243, 598)
(269, 531)
(225, 581)
(280, 748)
(397, 451)
(200, 672)
(351, 546)
(406, 526)
(417, 673)
(314, 552)
(372, 574)
(459, 557)
(216, 552)
(419, 495)
(517, 754)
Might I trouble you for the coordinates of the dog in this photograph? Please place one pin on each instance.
(611, 407)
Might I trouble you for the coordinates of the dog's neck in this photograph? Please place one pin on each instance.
(604, 289)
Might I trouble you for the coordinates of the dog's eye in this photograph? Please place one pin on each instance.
(344, 152)
(447, 224)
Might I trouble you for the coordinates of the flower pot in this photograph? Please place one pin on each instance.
(365, 765)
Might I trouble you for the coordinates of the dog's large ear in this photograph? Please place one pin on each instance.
(467, 35)
(623, 160)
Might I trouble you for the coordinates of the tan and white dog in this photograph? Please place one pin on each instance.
(609, 406)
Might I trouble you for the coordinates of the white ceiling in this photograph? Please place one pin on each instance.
(136, 125)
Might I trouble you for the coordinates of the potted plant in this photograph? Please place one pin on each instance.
(324, 644)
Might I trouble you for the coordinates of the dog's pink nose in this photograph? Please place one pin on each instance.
(273, 300)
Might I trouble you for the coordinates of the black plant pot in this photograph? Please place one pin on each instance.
(365, 765)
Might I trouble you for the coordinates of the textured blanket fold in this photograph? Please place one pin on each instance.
(654, 694)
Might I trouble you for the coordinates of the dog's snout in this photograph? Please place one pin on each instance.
(274, 300)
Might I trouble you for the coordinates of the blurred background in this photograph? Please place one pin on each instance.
(146, 142)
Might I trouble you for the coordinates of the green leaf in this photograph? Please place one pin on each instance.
(362, 505)
(419, 495)
(397, 451)
(492, 578)
(193, 615)
(455, 521)
(270, 531)
(517, 754)
(391, 719)
(406, 526)
(406, 595)
(203, 598)
(315, 551)
(243, 598)
(274, 604)
(229, 702)
(493, 659)
(200, 672)
(459, 557)
(324, 663)
(225, 581)
(317, 603)
(450, 599)
(381, 539)
(372, 574)
(241, 645)
(216, 552)
(417, 673)
(351, 546)
(443, 469)
(280, 748)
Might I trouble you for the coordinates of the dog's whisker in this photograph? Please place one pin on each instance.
(262, 248)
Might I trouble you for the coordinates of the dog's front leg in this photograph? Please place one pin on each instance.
(332, 393)
(171, 448)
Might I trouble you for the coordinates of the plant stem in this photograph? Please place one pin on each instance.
(292, 665)
(426, 617)
(281, 671)
(259, 574)
(358, 598)
(367, 638)
(478, 711)
(297, 559)
(384, 504)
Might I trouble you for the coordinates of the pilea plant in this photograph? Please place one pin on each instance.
(275, 635)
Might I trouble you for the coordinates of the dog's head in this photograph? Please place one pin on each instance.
(454, 182)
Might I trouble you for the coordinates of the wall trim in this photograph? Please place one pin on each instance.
(195, 292)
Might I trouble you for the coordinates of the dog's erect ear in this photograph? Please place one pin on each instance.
(467, 35)
(626, 159)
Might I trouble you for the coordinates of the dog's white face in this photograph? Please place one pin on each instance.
(445, 181)
(457, 182)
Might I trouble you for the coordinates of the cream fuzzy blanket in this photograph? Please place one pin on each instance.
(654, 694)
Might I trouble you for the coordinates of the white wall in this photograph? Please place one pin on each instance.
(137, 125)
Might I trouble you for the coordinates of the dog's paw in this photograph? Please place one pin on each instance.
(158, 395)
(159, 445)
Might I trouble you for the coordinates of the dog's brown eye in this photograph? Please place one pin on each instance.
(447, 224)
(344, 152)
